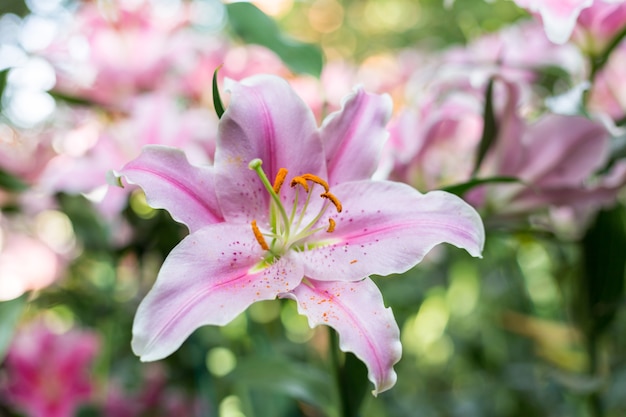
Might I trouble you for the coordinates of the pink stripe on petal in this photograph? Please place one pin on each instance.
(356, 133)
(564, 150)
(357, 312)
(388, 228)
(187, 192)
(209, 278)
(558, 16)
(266, 120)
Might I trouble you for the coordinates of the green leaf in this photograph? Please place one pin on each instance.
(490, 128)
(10, 313)
(11, 183)
(460, 189)
(17, 7)
(69, 99)
(217, 100)
(3, 80)
(299, 381)
(254, 26)
(601, 288)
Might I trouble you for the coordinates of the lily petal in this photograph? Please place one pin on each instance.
(267, 120)
(558, 16)
(209, 278)
(387, 227)
(356, 133)
(564, 150)
(170, 182)
(357, 312)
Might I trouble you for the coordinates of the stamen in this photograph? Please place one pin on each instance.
(300, 180)
(317, 180)
(280, 179)
(331, 225)
(333, 200)
(259, 236)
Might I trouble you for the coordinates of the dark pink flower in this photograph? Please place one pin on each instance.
(48, 374)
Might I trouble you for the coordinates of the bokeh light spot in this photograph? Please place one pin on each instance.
(326, 16)
(220, 361)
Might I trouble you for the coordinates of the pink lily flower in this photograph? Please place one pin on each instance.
(433, 144)
(557, 158)
(314, 233)
(598, 25)
(48, 373)
(558, 16)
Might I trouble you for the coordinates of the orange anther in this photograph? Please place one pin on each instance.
(280, 179)
(317, 180)
(300, 180)
(331, 225)
(333, 200)
(259, 236)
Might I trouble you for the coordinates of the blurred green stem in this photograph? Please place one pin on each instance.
(595, 402)
(335, 358)
(351, 377)
(598, 61)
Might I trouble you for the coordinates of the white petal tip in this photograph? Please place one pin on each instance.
(114, 178)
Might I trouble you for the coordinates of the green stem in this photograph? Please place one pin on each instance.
(335, 358)
(596, 409)
(598, 62)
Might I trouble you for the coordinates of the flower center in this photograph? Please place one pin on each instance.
(288, 229)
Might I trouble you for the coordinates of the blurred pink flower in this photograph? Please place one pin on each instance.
(608, 90)
(598, 24)
(433, 144)
(95, 146)
(558, 16)
(24, 153)
(26, 264)
(112, 51)
(48, 374)
(556, 157)
(518, 53)
(202, 55)
(251, 240)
